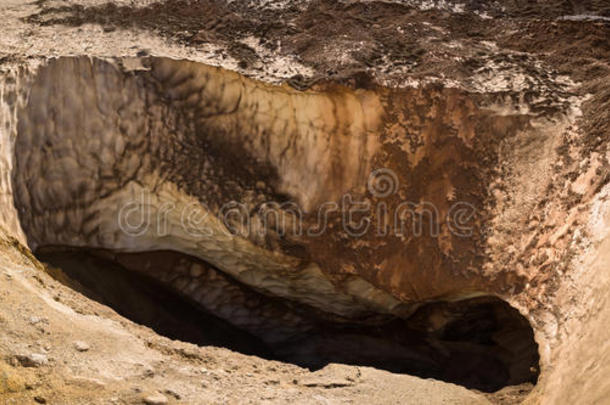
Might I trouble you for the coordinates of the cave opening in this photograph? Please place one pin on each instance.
(480, 343)
(97, 140)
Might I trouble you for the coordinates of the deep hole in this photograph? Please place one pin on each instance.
(481, 343)
(93, 136)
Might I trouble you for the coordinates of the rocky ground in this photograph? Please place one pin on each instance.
(59, 347)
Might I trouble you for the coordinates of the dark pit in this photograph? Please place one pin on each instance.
(156, 137)
(481, 343)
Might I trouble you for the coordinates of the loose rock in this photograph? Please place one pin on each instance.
(155, 399)
(81, 346)
(32, 359)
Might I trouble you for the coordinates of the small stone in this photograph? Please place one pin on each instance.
(32, 359)
(40, 400)
(155, 399)
(172, 393)
(34, 320)
(149, 372)
(81, 346)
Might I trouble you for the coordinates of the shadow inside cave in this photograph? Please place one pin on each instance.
(481, 343)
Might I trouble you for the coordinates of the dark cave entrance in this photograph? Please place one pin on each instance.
(60, 176)
(481, 343)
